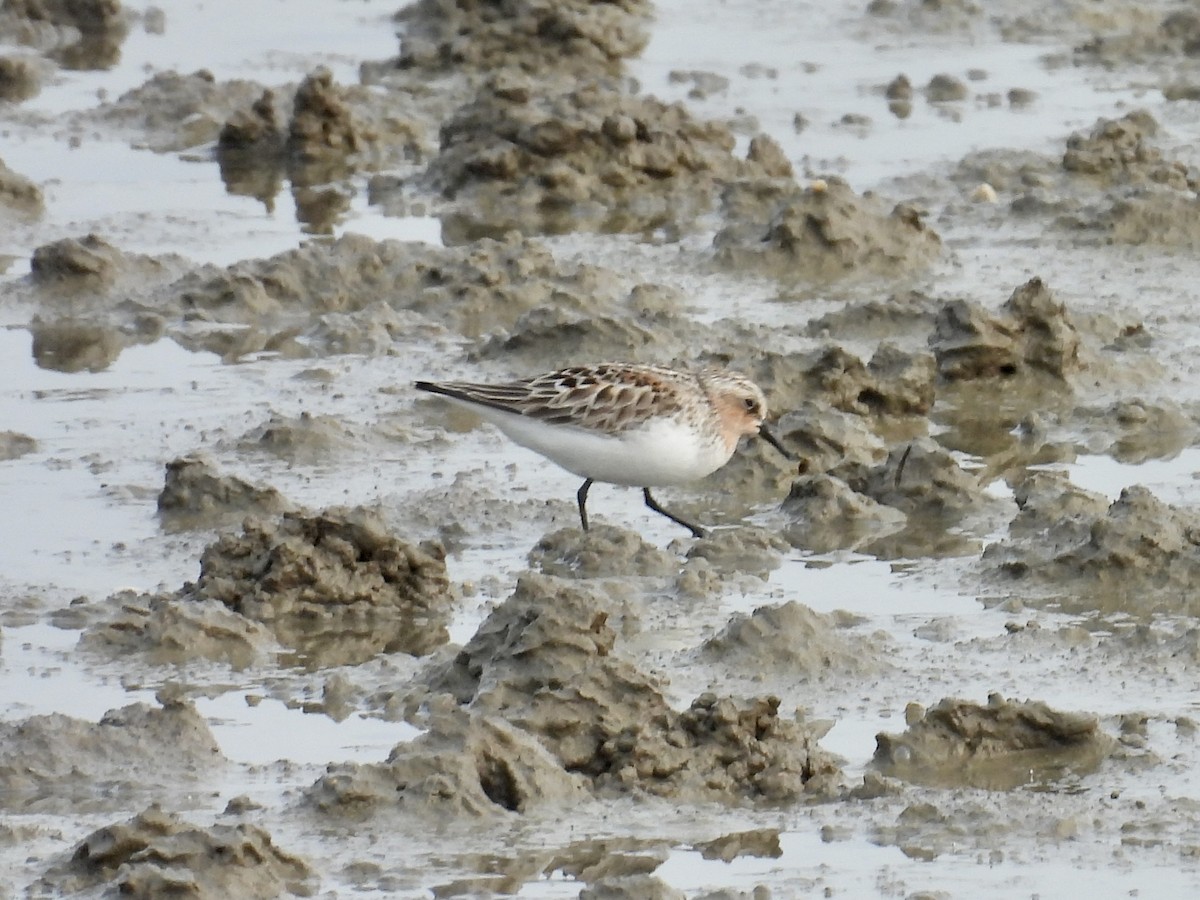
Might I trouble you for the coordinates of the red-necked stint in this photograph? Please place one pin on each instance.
(626, 424)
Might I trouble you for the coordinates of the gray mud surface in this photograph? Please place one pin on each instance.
(272, 623)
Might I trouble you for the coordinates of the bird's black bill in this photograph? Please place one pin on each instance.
(766, 435)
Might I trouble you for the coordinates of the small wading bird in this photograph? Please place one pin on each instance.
(640, 426)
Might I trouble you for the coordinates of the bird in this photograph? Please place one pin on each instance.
(624, 423)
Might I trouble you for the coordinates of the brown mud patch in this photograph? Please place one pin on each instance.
(157, 853)
(1000, 746)
(334, 588)
(59, 764)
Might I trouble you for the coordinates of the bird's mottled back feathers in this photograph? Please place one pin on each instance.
(608, 398)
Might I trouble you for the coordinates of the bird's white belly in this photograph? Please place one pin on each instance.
(662, 452)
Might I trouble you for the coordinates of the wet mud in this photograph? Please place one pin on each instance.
(952, 245)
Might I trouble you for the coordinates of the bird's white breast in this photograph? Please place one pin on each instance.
(663, 451)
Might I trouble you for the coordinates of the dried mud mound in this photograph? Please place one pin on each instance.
(917, 502)
(1032, 333)
(1172, 40)
(601, 552)
(545, 661)
(304, 439)
(1137, 556)
(58, 764)
(194, 495)
(341, 294)
(566, 157)
(78, 34)
(335, 586)
(464, 764)
(578, 36)
(21, 77)
(745, 549)
(157, 854)
(91, 264)
(18, 195)
(172, 112)
(170, 629)
(92, 301)
(822, 232)
(646, 324)
(1119, 152)
(893, 382)
(14, 445)
(792, 640)
(1111, 185)
(1148, 199)
(999, 746)
(824, 513)
(329, 132)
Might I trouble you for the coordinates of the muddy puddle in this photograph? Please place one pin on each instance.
(273, 623)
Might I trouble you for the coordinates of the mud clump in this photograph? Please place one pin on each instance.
(20, 78)
(18, 195)
(601, 552)
(157, 854)
(14, 445)
(546, 661)
(1166, 219)
(1148, 198)
(641, 886)
(893, 382)
(1118, 151)
(574, 35)
(933, 505)
(748, 548)
(572, 157)
(1172, 39)
(464, 764)
(795, 640)
(302, 439)
(256, 128)
(823, 232)
(171, 630)
(172, 112)
(55, 763)
(762, 843)
(999, 746)
(1136, 557)
(79, 34)
(921, 479)
(823, 437)
(1033, 333)
(944, 88)
(825, 514)
(322, 128)
(89, 260)
(195, 496)
(118, 290)
(335, 586)
(645, 325)
(330, 291)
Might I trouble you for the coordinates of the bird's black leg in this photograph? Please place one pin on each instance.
(696, 530)
(582, 498)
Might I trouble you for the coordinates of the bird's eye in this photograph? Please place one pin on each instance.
(751, 405)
